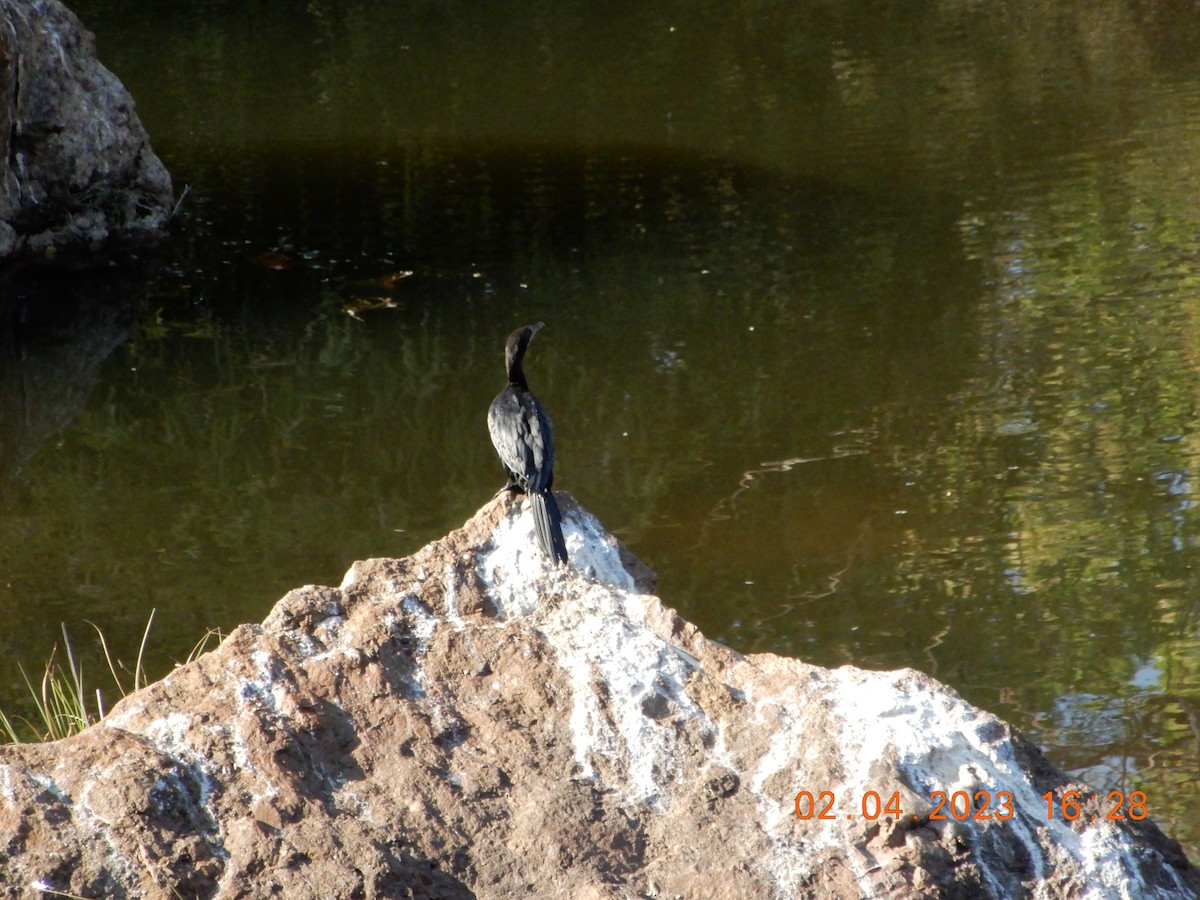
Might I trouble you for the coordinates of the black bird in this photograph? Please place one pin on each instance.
(523, 438)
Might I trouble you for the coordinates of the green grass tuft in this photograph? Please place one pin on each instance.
(64, 702)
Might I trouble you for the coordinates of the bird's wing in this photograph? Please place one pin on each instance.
(523, 439)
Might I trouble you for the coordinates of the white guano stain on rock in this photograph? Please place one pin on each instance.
(789, 861)
(938, 742)
(627, 686)
(617, 666)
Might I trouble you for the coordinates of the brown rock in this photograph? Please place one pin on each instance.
(472, 722)
(77, 174)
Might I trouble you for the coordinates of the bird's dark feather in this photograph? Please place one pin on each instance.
(524, 440)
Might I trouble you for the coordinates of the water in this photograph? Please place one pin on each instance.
(872, 329)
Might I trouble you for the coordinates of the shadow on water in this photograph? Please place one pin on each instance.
(497, 210)
(56, 331)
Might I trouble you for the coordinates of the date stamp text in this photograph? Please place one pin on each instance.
(978, 805)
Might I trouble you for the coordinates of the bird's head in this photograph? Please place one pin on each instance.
(514, 350)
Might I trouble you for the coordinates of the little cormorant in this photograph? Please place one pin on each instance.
(523, 438)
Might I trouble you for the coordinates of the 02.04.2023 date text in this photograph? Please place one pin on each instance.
(977, 805)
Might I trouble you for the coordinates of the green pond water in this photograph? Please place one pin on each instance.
(873, 328)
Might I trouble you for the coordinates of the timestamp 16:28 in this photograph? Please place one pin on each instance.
(979, 805)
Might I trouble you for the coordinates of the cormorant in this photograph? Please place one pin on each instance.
(523, 438)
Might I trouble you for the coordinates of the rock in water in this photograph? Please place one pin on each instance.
(77, 175)
(474, 722)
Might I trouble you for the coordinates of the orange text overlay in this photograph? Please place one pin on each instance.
(975, 805)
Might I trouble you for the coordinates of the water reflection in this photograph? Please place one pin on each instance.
(55, 333)
(874, 331)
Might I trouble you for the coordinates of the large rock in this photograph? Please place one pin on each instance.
(472, 722)
(77, 175)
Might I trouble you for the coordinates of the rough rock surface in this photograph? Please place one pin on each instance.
(472, 722)
(77, 175)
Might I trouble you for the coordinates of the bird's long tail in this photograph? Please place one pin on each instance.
(548, 521)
